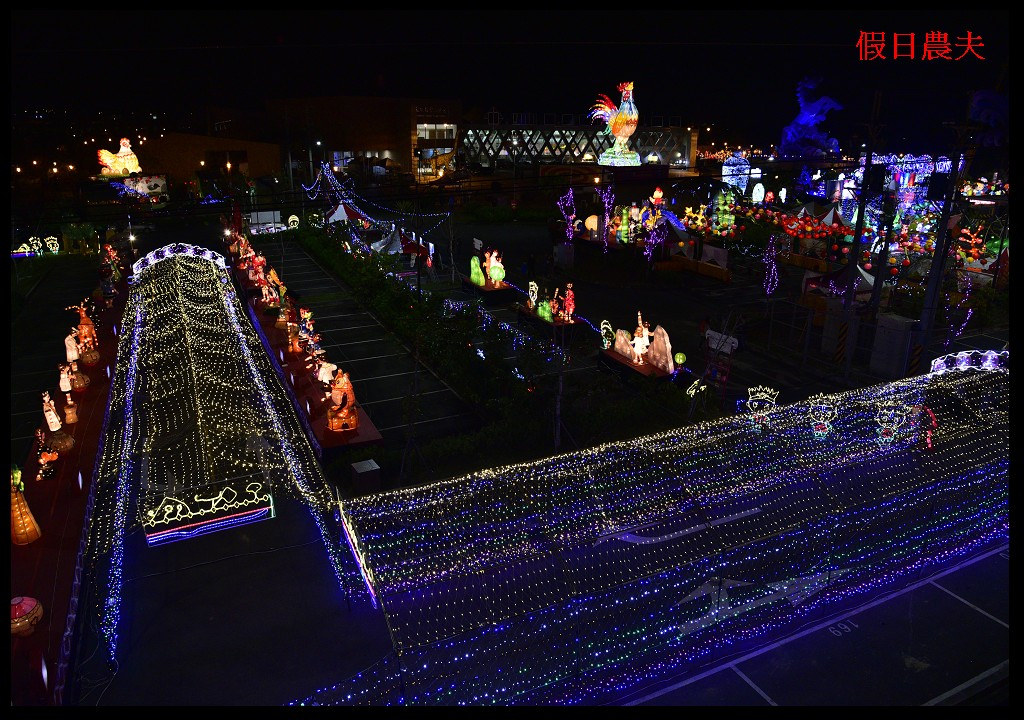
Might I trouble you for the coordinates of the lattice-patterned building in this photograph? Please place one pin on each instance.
(498, 144)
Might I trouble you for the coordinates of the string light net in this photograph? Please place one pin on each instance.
(196, 412)
(579, 577)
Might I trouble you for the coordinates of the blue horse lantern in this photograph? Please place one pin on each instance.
(802, 138)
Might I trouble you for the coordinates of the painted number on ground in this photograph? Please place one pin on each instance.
(841, 628)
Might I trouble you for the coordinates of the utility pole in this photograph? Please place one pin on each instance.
(882, 260)
(945, 238)
(853, 259)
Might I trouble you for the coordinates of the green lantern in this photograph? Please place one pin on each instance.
(680, 358)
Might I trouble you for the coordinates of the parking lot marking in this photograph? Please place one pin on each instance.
(418, 422)
(972, 681)
(970, 605)
(819, 626)
(751, 683)
(402, 397)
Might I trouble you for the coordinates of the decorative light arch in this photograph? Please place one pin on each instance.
(174, 249)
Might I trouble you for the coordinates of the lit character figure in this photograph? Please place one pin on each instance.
(569, 303)
(86, 327)
(65, 384)
(71, 348)
(555, 305)
(531, 302)
(643, 331)
(620, 121)
(821, 411)
(890, 416)
(278, 286)
(256, 268)
(313, 346)
(325, 373)
(760, 404)
(607, 335)
(495, 269)
(122, 163)
(245, 253)
(342, 415)
(50, 413)
(640, 342)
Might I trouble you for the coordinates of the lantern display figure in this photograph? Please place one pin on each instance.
(72, 349)
(822, 411)
(760, 403)
(495, 269)
(59, 440)
(569, 303)
(342, 415)
(124, 162)
(531, 301)
(24, 528)
(607, 335)
(890, 416)
(620, 121)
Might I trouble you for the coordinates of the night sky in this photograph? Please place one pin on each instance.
(735, 69)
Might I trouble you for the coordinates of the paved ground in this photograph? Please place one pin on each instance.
(942, 640)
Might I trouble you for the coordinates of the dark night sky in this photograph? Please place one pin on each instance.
(735, 69)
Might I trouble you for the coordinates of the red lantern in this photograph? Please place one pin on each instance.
(846, 250)
(835, 247)
(867, 266)
(743, 228)
(906, 263)
(895, 271)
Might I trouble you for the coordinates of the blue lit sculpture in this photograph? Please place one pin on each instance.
(802, 138)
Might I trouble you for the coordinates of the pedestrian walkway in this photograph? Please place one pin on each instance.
(383, 372)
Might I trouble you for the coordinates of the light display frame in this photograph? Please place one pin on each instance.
(571, 579)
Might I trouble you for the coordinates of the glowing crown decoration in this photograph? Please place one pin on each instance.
(762, 393)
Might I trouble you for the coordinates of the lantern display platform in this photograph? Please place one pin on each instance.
(26, 613)
(310, 395)
(617, 361)
(526, 314)
(490, 294)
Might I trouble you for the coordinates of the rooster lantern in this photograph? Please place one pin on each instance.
(123, 163)
(619, 121)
